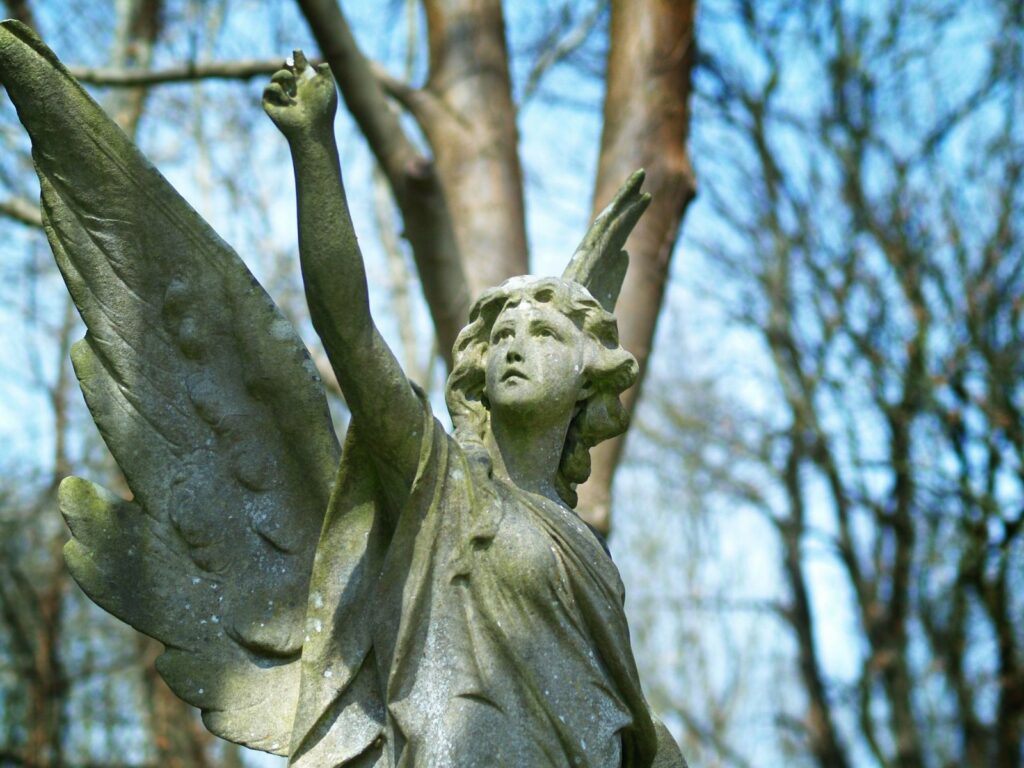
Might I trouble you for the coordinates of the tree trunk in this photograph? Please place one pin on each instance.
(47, 683)
(175, 733)
(470, 121)
(412, 177)
(646, 124)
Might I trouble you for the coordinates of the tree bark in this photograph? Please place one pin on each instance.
(33, 619)
(646, 124)
(414, 182)
(469, 118)
(175, 732)
(22, 11)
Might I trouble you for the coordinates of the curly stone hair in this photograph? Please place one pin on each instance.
(610, 370)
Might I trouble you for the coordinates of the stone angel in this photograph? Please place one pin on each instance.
(413, 598)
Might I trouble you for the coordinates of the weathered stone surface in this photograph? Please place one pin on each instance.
(417, 599)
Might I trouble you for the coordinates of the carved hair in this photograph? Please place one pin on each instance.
(609, 369)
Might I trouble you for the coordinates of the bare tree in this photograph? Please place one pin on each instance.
(867, 245)
(448, 148)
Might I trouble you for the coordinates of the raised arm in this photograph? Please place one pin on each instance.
(302, 101)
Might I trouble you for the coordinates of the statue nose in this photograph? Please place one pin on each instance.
(513, 355)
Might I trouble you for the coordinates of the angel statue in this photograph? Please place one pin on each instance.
(412, 599)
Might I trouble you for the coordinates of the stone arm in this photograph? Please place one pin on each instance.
(385, 409)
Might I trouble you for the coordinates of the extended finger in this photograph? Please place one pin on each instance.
(299, 61)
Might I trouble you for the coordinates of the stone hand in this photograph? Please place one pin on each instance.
(301, 99)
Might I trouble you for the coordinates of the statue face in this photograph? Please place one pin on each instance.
(535, 361)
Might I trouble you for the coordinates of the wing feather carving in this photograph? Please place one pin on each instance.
(206, 398)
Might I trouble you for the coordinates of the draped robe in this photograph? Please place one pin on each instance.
(478, 625)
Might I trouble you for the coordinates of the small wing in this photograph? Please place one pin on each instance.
(600, 263)
(207, 400)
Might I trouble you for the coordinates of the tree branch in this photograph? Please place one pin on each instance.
(558, 50)
(646, 124)
(21, 211)
(190, 72)
(470, 122)
(413, 181)
(22, 11)
(708, 735)
(824, 737)
(409, 97)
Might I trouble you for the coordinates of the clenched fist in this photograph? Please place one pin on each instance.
(301, 99)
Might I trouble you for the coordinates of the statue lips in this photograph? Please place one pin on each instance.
(514, 373)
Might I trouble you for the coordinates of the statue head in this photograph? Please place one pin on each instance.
(595, 368)
(605, 371)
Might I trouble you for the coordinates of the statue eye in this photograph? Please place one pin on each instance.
(547, 332)
(501, 333)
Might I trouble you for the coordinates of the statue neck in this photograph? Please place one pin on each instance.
(527, 455)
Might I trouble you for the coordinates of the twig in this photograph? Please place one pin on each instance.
(214, 70)
(553, 54)
(21, 211)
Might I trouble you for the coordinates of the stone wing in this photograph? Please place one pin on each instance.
(207, 399)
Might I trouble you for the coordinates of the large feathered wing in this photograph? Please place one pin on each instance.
(206, 398)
